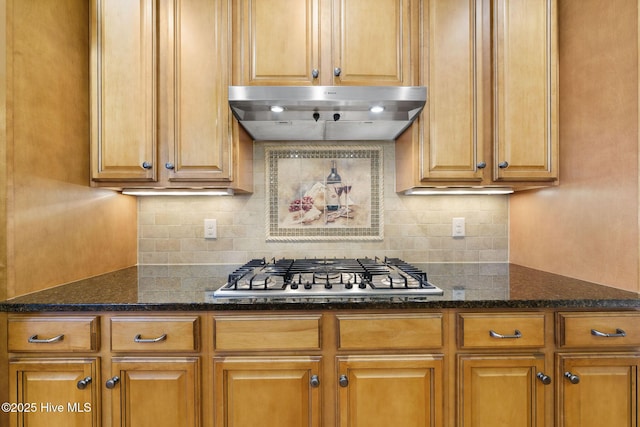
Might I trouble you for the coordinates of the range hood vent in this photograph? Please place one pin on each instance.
(326, 113)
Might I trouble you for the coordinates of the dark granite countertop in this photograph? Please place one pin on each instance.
(189, 288)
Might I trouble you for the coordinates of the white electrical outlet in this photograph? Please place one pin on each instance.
(457, 227)
(458, 294)
(210, 229)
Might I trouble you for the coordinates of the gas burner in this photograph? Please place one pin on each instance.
(260, 281)
(394, 281)
(335, 278)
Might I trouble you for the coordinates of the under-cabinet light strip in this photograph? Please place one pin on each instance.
(176, 192)
(456, 191)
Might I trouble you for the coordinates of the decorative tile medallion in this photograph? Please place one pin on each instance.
(324, 193)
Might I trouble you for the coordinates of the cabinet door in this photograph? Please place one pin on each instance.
(60, 392)
(452, 122)
(375, 46)
(597, 390)
(390, 391)
(272, 392)
(525, 79)
(197, 135)
(123, 90)
(500, 391)
(275, 42)
(159, 392)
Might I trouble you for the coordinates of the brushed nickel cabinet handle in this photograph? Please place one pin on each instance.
(82, 384)
(138, 338)
(343, 381)
(516, 334)
(545, 379)
(315, 381)
(111, 383)
(35, 340)
(619, 333)
(573, 379)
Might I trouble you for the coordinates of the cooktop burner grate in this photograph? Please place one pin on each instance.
(335, 277)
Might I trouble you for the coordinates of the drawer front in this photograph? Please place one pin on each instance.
(53, 333)
(501, 330)
(273, 333)
(157, 333)
(607, 329)
(419, 331)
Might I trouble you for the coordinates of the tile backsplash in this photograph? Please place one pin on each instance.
(416, 228)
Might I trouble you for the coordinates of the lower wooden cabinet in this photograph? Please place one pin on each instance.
(381, 391)
(595, 390)
(267, 392)
(158, 392)
(54, 392)
(501, 390)
(356, 368)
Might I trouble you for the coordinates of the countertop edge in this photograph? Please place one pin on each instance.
(327, 306)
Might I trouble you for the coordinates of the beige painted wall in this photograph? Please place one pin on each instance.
(588, 226)
(3, 156)
(57, 228)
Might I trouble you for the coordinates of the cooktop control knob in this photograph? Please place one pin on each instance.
(294, 286)
(307, 285)
(328, 286)
(348, 285)
(362, 285)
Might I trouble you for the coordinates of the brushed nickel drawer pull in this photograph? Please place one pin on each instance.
(516, 334)
(34, 339)
(138, 338)
(619, 333)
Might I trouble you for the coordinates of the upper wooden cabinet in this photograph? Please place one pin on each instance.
(448, 135)
(525, 90)
(124, 63)
(325, 42)
(491, 114)
(159, 114)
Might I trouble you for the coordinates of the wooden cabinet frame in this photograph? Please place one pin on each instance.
(431, 348)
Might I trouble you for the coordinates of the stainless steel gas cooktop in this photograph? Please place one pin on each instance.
(329, 277)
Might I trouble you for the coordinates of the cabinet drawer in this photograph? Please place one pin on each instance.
(606, 329)
(390, 331)
(273, 333)
(158, 333)
(501, 330)
(53, 333)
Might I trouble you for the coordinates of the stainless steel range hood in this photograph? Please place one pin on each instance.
(320, 113)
